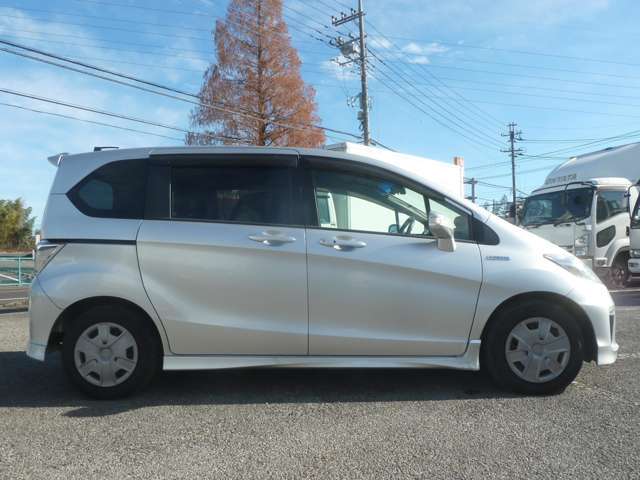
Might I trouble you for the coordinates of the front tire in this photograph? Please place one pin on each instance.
(534, 348)
(619, 275)
(109, 352)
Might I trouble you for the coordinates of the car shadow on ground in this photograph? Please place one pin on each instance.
(27, 383)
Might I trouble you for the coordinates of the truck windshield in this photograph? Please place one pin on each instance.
(560, 206)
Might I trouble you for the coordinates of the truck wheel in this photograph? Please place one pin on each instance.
(619, 276)
(109, 352)
(533, 348)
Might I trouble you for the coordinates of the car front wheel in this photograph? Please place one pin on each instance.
(533, 348)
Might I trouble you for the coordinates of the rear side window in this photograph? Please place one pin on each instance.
(115, 190)
(254, 195)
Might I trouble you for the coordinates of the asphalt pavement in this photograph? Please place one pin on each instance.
(348, 424)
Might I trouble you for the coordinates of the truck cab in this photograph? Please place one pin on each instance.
(587, 218)
(583, 207)
(634, 231)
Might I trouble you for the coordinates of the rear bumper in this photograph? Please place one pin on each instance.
(596, 302)
(42, 316)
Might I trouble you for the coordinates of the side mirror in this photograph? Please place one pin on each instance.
(444, 233)
(393, 228)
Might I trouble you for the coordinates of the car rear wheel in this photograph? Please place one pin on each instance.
(533, 348)
(109, 352)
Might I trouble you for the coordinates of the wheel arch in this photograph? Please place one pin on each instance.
(72, 311)
(590, 345)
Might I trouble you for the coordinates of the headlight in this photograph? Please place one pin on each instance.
(572, 265)
(581, 245)
(635, 253)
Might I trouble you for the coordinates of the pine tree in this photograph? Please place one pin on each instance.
(257, 73)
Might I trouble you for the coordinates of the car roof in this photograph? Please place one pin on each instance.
(84, 163)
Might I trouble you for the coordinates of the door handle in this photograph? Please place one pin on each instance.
(272, 237)
(341, 242)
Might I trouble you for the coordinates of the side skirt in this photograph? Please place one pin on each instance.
(470, 360)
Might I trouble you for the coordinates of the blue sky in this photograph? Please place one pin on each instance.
(471, 65)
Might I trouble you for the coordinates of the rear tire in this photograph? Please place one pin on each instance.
(534, 348)
(109, 351)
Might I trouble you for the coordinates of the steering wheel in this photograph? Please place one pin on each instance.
(407, 226)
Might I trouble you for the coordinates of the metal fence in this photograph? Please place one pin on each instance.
(16, 270)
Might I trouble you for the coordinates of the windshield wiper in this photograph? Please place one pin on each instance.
(571, 218)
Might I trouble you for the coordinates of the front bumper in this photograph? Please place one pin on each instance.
(42, 316)
(596, 302)
(634, 266)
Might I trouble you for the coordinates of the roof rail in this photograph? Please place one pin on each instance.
(56, 159)
(99, 149)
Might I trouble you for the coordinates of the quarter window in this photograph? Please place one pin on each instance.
(255, 195)
(611, 203)
(347, 201)
(115, 190)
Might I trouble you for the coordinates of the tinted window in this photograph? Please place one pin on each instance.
(115, 190)
(258, 195)
(611, 203)
(348, 201)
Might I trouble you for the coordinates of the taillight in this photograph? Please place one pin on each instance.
(45, 251)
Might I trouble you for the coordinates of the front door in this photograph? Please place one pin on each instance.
(226, 271)
(378, 284)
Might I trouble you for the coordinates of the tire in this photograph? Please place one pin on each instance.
(619, 275)
(564, 332)
(109, 351)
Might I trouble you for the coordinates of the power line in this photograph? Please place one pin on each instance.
(435, 118)
(102, 124)
(152, 84)
(438, 80)
(480, 137)
(522, 52)
(107, 113)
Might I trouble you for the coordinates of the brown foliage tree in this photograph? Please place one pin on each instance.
(257, 73)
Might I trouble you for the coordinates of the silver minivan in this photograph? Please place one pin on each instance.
(219, 257)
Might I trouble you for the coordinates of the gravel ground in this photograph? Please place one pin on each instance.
(319, 423)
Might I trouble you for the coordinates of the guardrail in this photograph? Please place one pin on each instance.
(16, 270)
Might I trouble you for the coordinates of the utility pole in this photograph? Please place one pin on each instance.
(473, 182)
(514, 136)
(347, 49)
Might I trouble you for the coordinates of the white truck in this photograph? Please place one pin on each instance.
(634, 235)
(584, 207)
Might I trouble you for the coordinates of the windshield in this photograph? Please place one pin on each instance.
(552, 207)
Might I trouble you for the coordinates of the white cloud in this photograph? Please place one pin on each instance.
(341, 72)
(420, 60)
(431, 48)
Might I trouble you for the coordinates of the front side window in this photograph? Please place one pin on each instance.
(115, 190)
(367, 203)
(254, 195)
(635, 218)
(611, 203)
